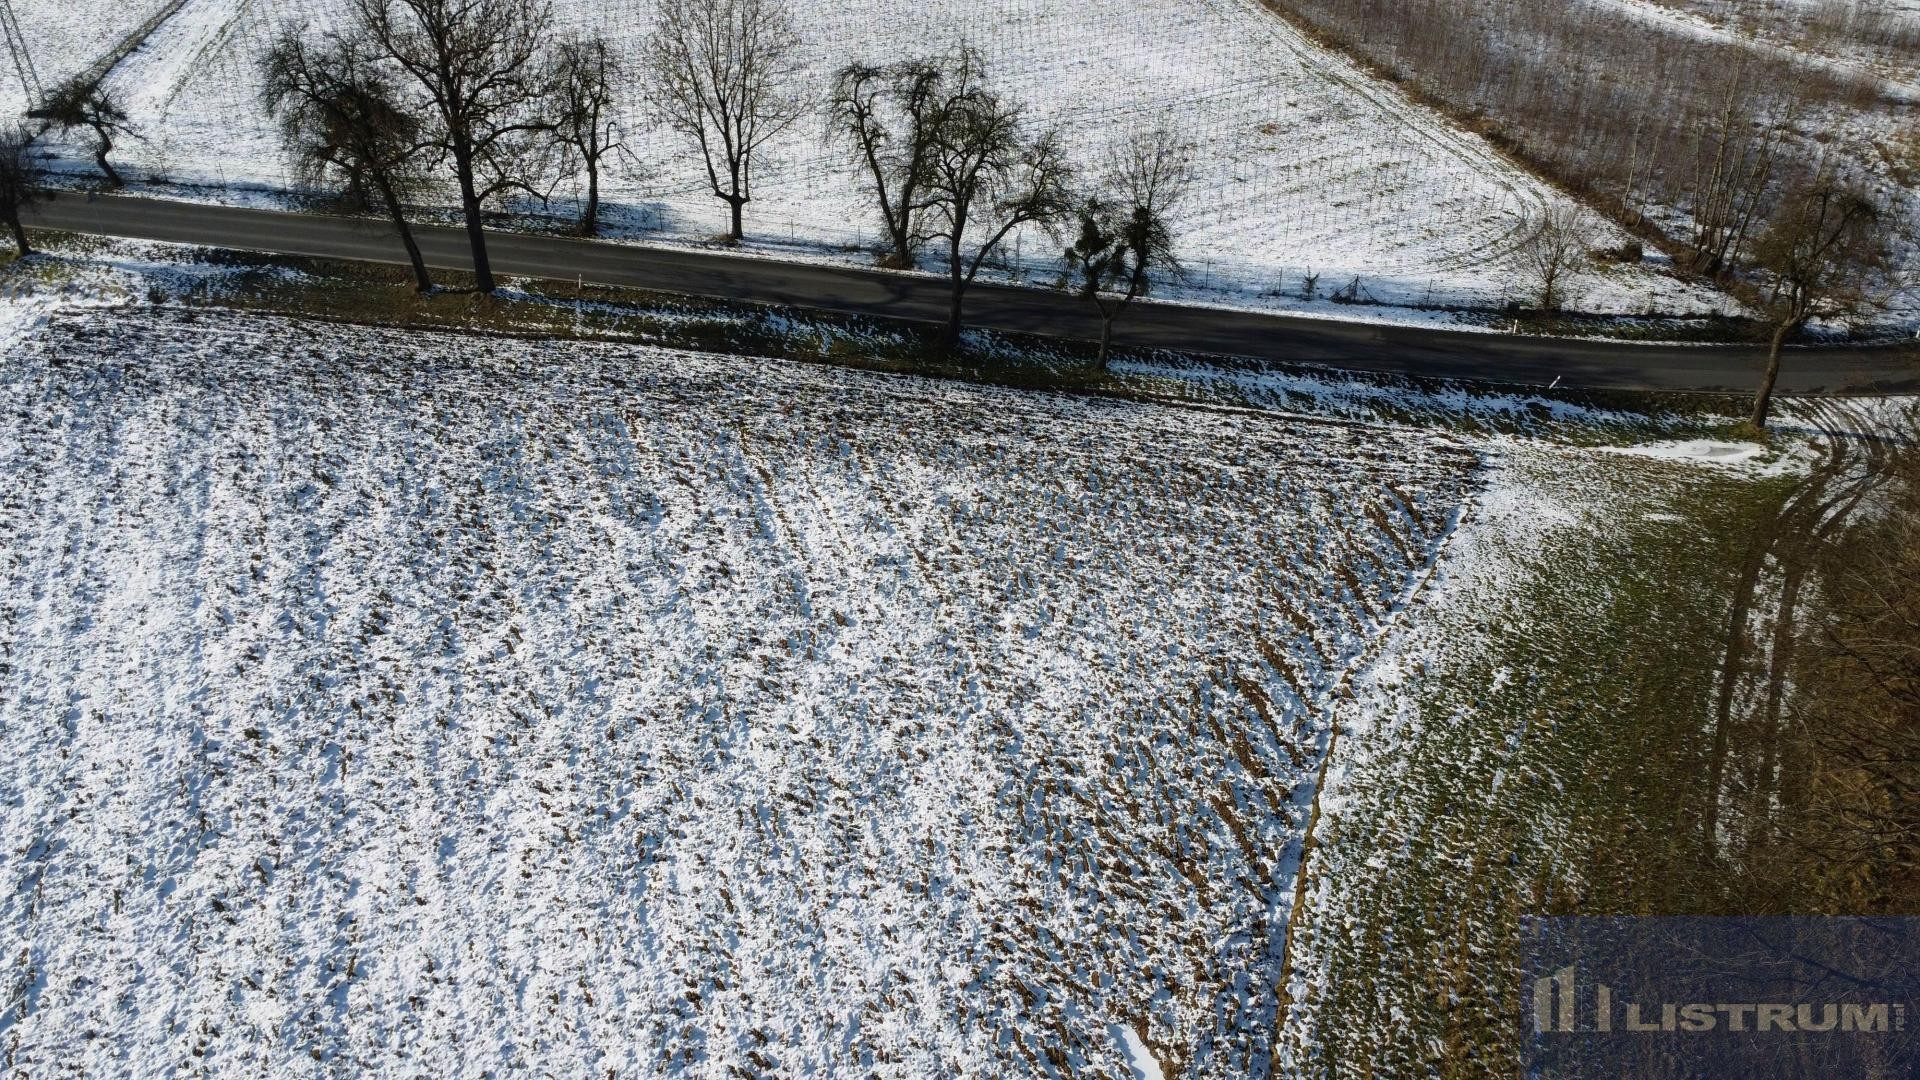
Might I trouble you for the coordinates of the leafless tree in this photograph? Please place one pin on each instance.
(1126, 239)
(986, 177)
(20, 176)
(890, 116)
(1825, 258)
(585, 79)
(345, 123)
(474, 60)
(1735, 160)
(1555, 253)
(78, 103)
(721, 74)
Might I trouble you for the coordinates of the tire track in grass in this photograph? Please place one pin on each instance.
(1560, 712)
(1854, 464)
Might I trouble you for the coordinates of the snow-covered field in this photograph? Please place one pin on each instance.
(1308, 166)
(450, 705)
(63, 39)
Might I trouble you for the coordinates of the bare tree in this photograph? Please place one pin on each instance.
(1555, 253)
(719, 73)
(1825, 257)
(475, 62)
(986, 177)
(1734, 165)
(1125, 241)
(345, 122)
(585, 75)
(20, 176)
(78, 103)
(890, 117)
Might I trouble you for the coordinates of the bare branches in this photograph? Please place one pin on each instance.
(1633, 116)
(1822, 251)
(986, 177)
(1125, 241)
(1555, 253)
(584, 76)
(890, 118)
(1735, 161)
(473, 60)
(947, 158)
(720, 73)
(78, 103)
(1825, 258)
(1153, 168)
(344, 119)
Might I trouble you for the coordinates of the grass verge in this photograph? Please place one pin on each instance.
(1537, 746)
(371, 294)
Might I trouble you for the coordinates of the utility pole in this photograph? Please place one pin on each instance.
(22, 60)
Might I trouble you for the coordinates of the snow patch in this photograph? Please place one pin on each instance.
(1139, 1058)
(1704, 451)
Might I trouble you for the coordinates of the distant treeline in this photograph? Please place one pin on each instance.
(1701, 135)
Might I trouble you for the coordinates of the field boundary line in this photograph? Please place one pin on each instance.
(1342, 686)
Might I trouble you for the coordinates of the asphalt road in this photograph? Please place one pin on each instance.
(1396, 349)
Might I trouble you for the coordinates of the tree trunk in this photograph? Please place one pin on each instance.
(100, 152)
(1106, 337)
(590, 217)
(19, 233)
(957, 277)
(902, 247)
(1763, 401)
(422, 282)
(470, 207)
(736, 231)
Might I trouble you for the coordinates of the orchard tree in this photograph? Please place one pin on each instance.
(78, 103)
(475, 62)
(889, 117)
(20, 175)
(1555, 253)
(1125, 239)
(720, 73)
(346, 125)
(585, 77)
(987, 176)
(1825, 257)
